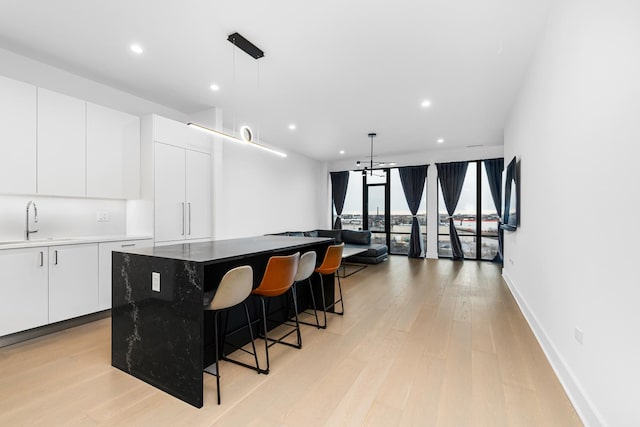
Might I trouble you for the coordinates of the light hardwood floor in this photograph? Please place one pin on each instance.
(423, 343)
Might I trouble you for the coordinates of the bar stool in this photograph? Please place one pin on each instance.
(330, 264)
(306, 266)
(234, 289)
(277, 280)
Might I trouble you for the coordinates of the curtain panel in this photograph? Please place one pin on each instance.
(451, 176)
(413, 179)
(494, 168)
(339, 183)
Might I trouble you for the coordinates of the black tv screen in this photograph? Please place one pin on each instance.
(510, 212)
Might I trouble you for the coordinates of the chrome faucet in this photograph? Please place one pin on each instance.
(28, 232)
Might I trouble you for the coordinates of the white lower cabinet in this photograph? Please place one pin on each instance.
(23, 289)
(73, 281)
(104, 269)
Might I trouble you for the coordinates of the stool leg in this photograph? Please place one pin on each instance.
(215, 326)
(324, 302)
(313, 301)
(340, 300)
(295, 309)
(253, 344)
(266, 338)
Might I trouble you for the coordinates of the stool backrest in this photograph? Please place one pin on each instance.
(332, 259)
(234, 288)
(279, 275)
(306, 266)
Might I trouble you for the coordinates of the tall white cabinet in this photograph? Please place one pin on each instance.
(176, 180)
(17, 137)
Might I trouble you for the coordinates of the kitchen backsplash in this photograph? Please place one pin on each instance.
(61, 217)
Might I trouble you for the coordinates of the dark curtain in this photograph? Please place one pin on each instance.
(451, 176)
(339, 182)
(494, 168)
(413, 178)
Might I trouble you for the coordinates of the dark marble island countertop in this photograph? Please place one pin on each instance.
(226, 250)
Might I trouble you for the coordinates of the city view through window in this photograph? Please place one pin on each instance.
(400, 215)
(483, 242)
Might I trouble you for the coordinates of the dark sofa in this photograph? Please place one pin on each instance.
(376, 253)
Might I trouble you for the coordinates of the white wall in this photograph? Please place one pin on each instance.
(576, 128)
(263, 193)
(430, 158)
(60, 217)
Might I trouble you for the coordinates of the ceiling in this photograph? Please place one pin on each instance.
(336, 69)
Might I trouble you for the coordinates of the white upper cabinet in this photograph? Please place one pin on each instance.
(17, 137)
(61, 144)
(113, 153)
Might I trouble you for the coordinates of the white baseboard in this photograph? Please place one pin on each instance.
(585, 408)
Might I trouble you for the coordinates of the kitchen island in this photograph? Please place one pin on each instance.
(160, 333)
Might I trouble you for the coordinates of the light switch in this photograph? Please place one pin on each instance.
(155, 281)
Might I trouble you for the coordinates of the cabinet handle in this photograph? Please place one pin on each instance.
(189, 204)
(127, 245)
(182, 218)
(41, 259)
(55, 257)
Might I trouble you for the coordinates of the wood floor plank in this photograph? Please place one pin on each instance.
(422, 343)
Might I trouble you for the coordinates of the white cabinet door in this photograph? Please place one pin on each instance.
(198, 195)
(73, 281)
(113, 153)
(104, 269)
(23, 289)
(61, 144)
(17, 137)
(169, 177)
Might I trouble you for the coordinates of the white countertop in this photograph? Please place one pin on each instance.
(57, 241)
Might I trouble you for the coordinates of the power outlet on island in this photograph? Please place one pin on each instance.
(155, 281)
(577, 333)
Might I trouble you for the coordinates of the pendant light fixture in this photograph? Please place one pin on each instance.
(373, 165)
(246, 134)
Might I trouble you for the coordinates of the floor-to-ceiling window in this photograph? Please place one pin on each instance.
(400, 224)
(376, 202)
(475, 217)
(352, 211)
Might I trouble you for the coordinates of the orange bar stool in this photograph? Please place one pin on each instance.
(277, 280)
(330, 264)
(233, 290)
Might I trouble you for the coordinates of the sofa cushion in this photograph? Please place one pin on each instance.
(375, 250)
(295, 233)
(356, 237)
(312, 233)
(335, 234)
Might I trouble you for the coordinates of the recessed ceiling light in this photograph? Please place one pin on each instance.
(341, 151)
(426, 103)
(136, 48)
(440, 141)
(214, 87)
(392, 164)
(292, 127)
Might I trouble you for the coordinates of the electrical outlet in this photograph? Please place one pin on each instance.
(155, 281)
(578, 334)
(102, 216)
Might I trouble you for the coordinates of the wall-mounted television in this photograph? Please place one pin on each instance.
(511, 207)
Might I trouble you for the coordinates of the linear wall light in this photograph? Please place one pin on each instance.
(236, 139)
